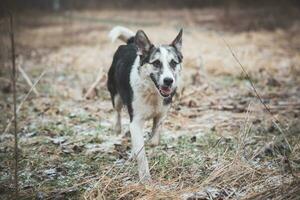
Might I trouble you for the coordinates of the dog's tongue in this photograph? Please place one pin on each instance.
(165, 90)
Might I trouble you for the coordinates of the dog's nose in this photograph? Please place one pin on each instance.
(168, 81)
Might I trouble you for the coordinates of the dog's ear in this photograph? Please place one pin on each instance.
(142, 42)
(177, 42)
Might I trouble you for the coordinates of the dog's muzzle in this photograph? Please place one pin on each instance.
(164, 90)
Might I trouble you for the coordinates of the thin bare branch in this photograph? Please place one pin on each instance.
(23, 100)
(90, 92)
(16, 154)
(274, 118)
(27, 79)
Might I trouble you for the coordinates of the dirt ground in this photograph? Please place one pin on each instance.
(218, 142)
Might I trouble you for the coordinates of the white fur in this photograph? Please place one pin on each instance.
(120, 32)
(145, 109)
(165, 58)
(143, 86)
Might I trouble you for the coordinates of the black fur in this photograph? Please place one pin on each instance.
(130, 40)
(119, 75)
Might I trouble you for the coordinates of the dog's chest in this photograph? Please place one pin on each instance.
(147, 102)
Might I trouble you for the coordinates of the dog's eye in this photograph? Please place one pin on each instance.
(173, 64)
(157, 64)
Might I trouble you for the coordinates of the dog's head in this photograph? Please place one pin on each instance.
(161, 64)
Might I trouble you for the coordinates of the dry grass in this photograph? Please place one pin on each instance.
(229, 174)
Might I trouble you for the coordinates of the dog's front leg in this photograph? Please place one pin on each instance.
(155, 135)
(138, 149)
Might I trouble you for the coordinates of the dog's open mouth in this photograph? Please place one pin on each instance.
(164, 91)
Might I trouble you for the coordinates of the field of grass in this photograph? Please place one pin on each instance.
(218, 141)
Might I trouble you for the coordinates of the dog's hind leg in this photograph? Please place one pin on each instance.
(155, 134)
(118, 107)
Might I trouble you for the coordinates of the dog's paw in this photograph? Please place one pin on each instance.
(127, 134)
(153, 142)
(117, 129)
(146, 180)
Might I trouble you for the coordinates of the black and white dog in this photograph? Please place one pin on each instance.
(144, 78)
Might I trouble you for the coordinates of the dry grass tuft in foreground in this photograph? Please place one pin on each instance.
(209, 168)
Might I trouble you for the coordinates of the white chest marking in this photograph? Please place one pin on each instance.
(147, 102)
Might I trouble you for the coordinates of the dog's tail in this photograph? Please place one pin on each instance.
(122, 33)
